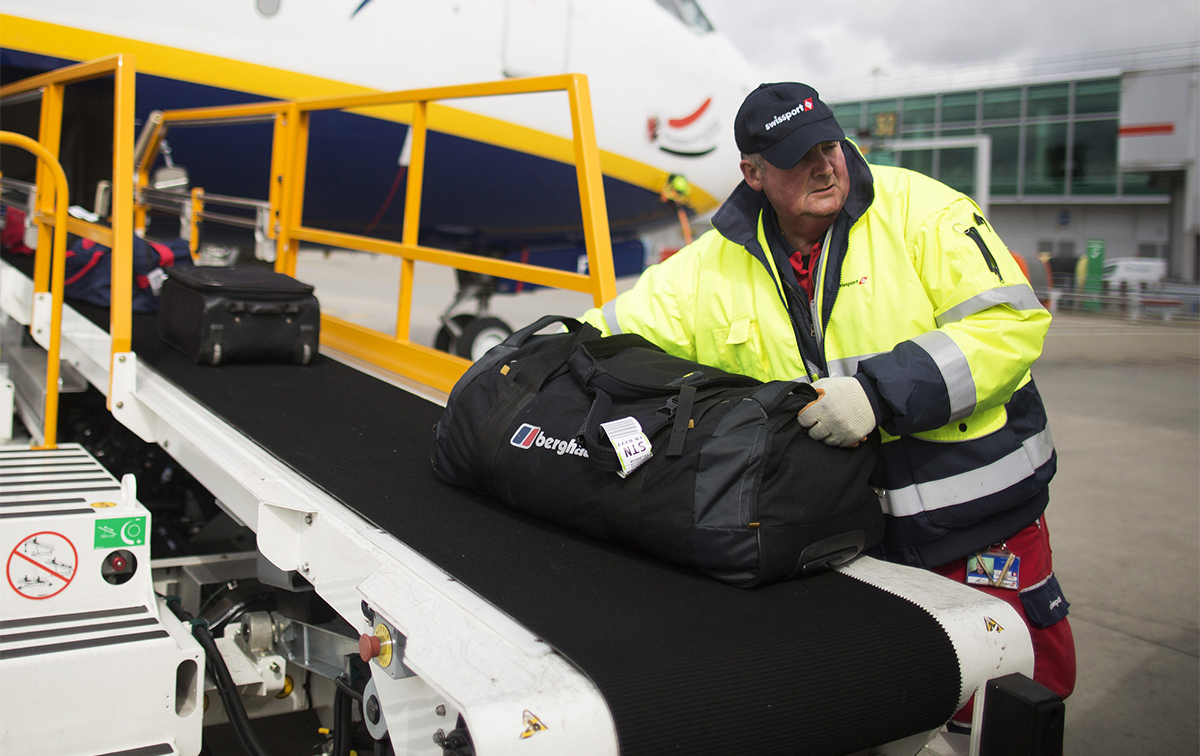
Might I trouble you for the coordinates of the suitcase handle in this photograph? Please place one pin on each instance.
(265, 308)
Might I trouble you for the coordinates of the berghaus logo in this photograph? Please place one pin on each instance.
(528, 436)
(525, 436)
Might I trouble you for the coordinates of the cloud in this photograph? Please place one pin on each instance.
(851, 40)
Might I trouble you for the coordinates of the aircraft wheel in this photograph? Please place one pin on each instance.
(444, 341)
(480, 335)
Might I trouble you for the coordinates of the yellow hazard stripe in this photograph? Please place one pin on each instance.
(44, 38)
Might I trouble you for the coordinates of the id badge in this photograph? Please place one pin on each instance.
(995, 568)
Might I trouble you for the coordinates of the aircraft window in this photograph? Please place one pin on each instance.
(688, 11)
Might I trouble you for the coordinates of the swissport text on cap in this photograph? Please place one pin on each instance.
(782, 122)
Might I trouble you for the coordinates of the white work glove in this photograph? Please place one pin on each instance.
(841, 415)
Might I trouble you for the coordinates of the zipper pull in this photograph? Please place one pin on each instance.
(979, 221)
(975, 236)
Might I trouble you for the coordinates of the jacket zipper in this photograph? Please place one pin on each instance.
(975, 236)
(795, 326)
(818, 332)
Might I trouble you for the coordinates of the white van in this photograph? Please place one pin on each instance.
(1135, 270)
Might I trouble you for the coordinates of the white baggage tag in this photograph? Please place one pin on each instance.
(633, 448)
(156, 278)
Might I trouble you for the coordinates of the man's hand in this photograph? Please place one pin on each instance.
(841, 415)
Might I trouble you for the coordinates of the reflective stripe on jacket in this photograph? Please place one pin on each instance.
(916, 296)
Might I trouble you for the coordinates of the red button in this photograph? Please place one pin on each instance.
(368, 647)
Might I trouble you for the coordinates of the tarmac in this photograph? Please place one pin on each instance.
(1124, 406)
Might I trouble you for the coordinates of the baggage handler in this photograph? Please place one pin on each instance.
(892, 294)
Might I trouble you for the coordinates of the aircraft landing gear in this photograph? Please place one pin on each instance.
(471, 336)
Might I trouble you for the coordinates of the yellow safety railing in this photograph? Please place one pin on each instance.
(59, 182)
(286, 205)
(286, 202)
(399, 353)
(161, 121)
(119, 234)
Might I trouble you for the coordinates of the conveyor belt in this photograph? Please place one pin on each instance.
(820, 665)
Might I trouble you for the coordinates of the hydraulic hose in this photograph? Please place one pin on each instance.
(343, 716)
(220, 672)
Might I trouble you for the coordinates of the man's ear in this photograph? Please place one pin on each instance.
(752, 175)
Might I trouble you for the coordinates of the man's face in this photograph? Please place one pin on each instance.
(813, 189)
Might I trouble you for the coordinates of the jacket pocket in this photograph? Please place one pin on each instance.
(739, 348)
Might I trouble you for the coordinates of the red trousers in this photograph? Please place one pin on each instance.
(1053, 646)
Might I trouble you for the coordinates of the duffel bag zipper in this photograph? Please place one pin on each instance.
(975, 236)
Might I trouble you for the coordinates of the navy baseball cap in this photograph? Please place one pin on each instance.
(783, 122)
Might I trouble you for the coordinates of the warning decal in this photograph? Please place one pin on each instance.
(42, 565)
(532, 724)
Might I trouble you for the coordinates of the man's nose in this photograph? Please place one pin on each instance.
(824, 164)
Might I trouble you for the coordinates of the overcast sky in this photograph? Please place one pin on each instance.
(835, 45)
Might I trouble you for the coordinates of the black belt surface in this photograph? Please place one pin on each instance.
(820, 665)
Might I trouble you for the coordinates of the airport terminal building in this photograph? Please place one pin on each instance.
(1096, 150)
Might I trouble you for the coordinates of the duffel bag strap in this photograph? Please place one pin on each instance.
(601, 455)
(604, 457)
(525, 384)
(683, 419)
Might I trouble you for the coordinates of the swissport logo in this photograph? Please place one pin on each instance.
(528, 436)
(782, 117)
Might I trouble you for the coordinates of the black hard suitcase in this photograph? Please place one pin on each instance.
(239, 314)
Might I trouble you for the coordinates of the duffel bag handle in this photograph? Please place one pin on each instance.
(527, 381)
(774, 395)
(585, 362)
(537, 369)
(518, 338)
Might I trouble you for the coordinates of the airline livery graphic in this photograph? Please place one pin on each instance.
(693, 135)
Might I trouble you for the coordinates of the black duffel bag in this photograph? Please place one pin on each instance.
(734, 485)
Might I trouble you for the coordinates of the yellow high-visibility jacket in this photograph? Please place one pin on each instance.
(919, 299)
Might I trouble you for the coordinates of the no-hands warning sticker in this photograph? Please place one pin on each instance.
(42, 565)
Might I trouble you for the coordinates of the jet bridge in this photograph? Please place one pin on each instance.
(487, 632)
